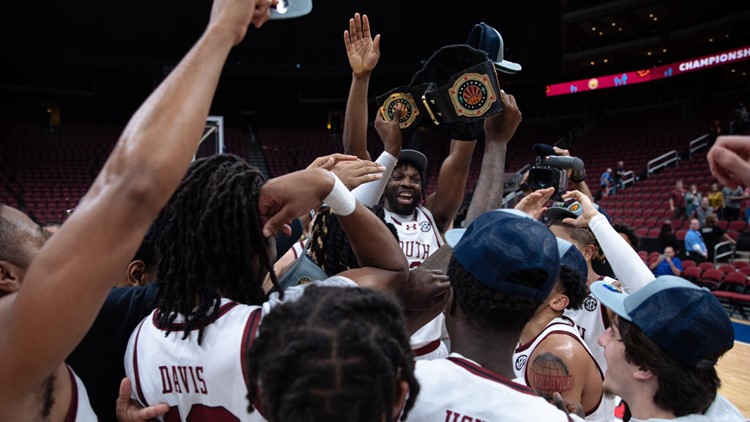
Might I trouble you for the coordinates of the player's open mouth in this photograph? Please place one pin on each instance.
(405, 197)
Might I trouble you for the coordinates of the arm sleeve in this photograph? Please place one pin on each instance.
(368, 194)
(624, 260)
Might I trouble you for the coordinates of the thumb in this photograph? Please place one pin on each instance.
(328, 164)
(278, 222)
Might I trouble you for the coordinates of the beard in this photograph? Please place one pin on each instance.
(393, 202)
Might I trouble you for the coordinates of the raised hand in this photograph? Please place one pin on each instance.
(363, 51)
(236, 15)
(533, 203)
(390, 132)
(502, 126)
(291, 195)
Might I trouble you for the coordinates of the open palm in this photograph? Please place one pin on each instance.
(363, 51)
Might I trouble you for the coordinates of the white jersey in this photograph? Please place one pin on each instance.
(417, 234)
(721, 410)
(419, 238)
(592, 321)
(458, 389)
(604, 410)
(208, 380)
(80, 407)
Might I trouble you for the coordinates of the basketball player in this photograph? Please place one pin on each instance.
(489, 307)
(551, 356)
(52, 291)
(420, 227)
(191, 352)
(298, 371)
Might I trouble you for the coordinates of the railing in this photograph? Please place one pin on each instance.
(628, 178)
(662, 161)
(510, 197)
(698, 144)
(728, 251)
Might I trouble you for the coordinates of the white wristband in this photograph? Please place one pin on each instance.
(340, 200)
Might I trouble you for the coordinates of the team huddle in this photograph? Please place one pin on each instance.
(385, 311)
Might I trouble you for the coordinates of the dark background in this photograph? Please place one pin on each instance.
(97, 61)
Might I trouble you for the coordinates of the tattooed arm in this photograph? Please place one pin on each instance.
(561, 364)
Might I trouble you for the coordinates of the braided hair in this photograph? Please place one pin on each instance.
(337, 354)
(209, 243)
(329, 245)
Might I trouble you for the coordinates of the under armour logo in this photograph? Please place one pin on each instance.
(411, 226)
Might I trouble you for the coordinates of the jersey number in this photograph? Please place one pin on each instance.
(199, 412)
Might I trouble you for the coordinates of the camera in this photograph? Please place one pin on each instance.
(550, 170)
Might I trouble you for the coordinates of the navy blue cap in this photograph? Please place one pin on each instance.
(501, 242)
(686, 321)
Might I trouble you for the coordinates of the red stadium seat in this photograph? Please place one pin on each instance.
(711, 279)
(691, 273)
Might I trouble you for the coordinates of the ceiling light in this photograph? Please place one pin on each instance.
(663, 50)
(593, 28)
(650, 15)
(710, 40)
(655, 18)
(593, 63)
(613, 24)
(606, 60)
(733, 71)
(601, 33)
(619, 29)
(648, 53)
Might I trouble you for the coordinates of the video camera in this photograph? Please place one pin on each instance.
(551, 170)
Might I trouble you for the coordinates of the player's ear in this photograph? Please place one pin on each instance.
(589, 252)
(10, 277)
(137, 273)
(402, 390)
(559, 302)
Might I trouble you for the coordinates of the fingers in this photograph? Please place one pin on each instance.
(727, 166)
(366, 27)
(153, 412)
(123, 397)
(278, 223)
(262, 12)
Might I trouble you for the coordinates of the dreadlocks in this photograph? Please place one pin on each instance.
(337, 354)
(210, 244)
(329, 246)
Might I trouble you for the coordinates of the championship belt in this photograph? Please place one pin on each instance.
(410, 99)
(453, 92)
(469, 95)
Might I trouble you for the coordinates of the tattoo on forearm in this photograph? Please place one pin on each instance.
(549, 374)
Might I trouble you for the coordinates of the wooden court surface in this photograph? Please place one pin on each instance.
(734, 372)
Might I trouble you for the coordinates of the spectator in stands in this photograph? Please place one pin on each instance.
(703, 211)
(742, 118)
(713, 234)
(606, 181)
(714, 131)
(662, 347)
(732, 200)
(667, 264)
(677, 200)
(619, 175)
(695, 248)
(692, 200)
(668, 238)
(716, 199)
